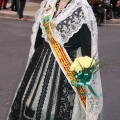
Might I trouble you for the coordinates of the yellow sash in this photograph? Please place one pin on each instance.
(59, 52)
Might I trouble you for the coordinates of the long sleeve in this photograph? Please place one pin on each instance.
(85, 39)
(81, 39)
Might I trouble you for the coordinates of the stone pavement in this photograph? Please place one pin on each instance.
(32, 7)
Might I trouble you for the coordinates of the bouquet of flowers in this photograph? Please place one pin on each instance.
(84, 69)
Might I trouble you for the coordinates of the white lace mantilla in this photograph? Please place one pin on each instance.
(69, 21)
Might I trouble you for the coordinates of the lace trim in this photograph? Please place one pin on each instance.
(65, 100)
(28, 92)
(66, 96)
(44, 88)
(35, 28)
(73, 6)
(65, 14)
(52, 93)
(69, 26)
(86, 15)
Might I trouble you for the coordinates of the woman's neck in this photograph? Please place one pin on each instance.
(62, 5)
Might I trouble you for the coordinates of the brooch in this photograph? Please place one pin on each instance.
(53, 25)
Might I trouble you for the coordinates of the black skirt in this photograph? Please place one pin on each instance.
(44, 92)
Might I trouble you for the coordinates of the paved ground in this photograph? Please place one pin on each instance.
(109, 47)
(14, 48)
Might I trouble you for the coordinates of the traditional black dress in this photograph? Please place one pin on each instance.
(44, 92)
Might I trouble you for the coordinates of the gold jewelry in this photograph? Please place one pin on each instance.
(53, 25)
(60, 9)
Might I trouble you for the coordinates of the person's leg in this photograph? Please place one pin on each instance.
(22, 6)
(102, 17)
(119, 12)
(98, 19)
(20, 9)
(12, 5)
(108, 13)
(117, 9)
(1, 2)
(5, 3)
(18, 6)
(15, 4)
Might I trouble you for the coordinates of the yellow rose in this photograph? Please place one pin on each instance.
(78, 69)
(72, 68)
(75, 66)
(82, 62)
(87, 62)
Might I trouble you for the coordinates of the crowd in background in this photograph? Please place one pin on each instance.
(16, 6)
(103, 9)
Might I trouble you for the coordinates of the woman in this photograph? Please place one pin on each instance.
(63, 30)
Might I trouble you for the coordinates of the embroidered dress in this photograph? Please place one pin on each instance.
(44, 92)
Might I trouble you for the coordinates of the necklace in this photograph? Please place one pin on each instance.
(61, 8)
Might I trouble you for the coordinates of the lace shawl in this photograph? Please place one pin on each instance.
(68, 22)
